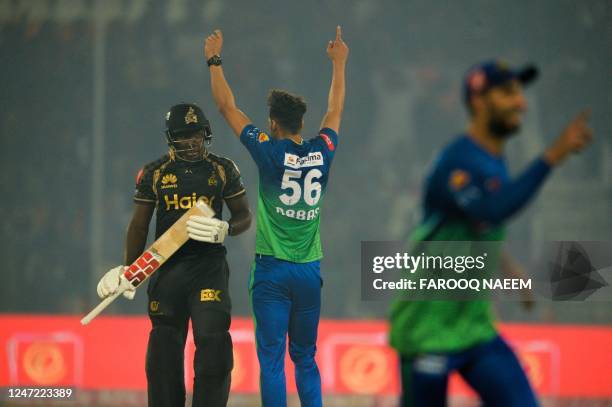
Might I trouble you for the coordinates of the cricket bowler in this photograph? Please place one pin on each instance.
(285, 283)
(469, 196)
(193, 283)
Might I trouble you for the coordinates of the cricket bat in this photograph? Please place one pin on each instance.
(152, 259)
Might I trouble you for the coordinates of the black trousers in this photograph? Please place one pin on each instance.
(190, 287)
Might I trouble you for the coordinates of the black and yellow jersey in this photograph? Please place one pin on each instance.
(174, 186)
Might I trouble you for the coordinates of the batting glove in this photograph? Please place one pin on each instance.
(110, 282)
(209, 230)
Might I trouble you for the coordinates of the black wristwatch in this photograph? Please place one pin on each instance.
(214, 60)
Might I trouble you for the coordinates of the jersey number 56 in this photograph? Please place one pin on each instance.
(312, 189)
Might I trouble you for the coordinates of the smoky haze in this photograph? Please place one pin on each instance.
(86, 85)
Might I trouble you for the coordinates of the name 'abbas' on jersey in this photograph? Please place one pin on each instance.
(292, 182)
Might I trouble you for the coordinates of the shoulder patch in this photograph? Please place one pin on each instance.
(328, 141)
(150, 167)
(458, 179)
(263, 137)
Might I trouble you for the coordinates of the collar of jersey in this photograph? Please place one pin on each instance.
(303, 142)
(481, 149)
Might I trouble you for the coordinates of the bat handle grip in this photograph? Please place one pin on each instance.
(101, 306)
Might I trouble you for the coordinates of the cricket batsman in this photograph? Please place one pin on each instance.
(469, 196)
(285, 282)
(193, 283)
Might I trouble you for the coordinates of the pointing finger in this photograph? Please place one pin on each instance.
(338, 33)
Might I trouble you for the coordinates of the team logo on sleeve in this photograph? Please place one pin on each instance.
(328, 141)
(459, 179)
(263, 137)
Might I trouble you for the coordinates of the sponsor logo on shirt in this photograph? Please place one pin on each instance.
(208, 295)
(176, 202)
(311, 160)
(169, 181)
(328, 141)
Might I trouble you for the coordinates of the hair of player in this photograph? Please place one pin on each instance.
(287, 110)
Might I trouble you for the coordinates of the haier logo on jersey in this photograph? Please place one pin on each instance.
(186, 202)
(312, 160)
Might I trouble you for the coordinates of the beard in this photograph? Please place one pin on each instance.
(501, 128)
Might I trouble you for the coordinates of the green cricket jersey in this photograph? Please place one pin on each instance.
(468, 197)
(292, 182)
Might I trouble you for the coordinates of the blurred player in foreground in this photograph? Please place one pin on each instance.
(285, 284)
(193, 283)
(468, 197)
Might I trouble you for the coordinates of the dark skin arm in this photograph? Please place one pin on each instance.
(138, 228)
(240, 214)
(137, 232)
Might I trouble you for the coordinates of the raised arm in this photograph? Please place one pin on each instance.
(137, 232)
(222, 93)
(338, 52)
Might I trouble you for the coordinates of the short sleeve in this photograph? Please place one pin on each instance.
(233, 186)
(259, 145)
(144, 187)
(330, 139)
